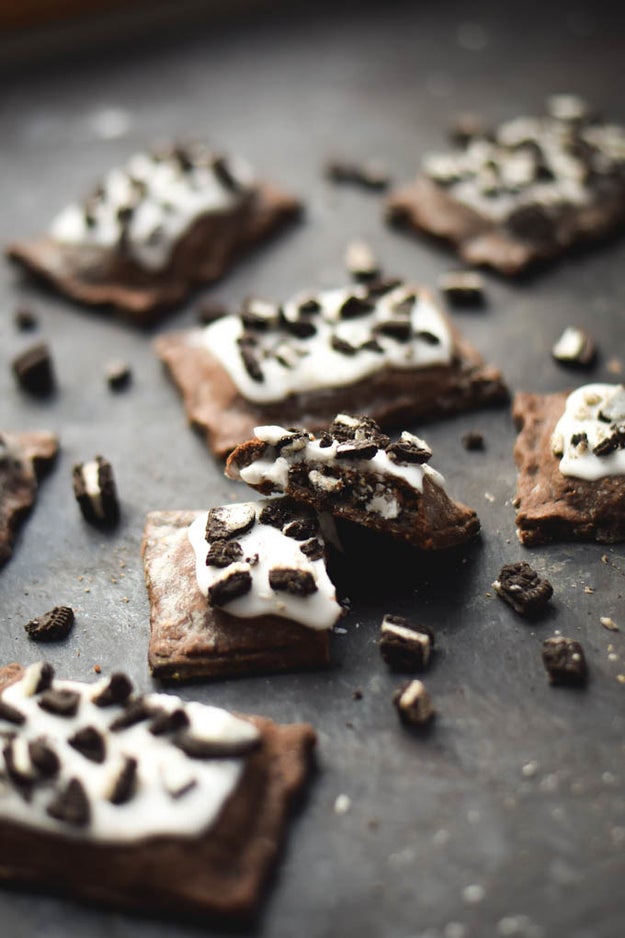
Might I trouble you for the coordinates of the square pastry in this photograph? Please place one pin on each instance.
(523, 193)
(23, 458)
(154, 229)
(142, 801)
(352, 471)
(570, 454)
(240, 589)
(385, 349)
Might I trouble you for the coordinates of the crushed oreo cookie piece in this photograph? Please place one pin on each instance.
(169, 721)
(223, 553)
(258, 314)
(371, 345)
(96, 492)
(123, 787)
(398, 329)
(250, 360)
(90, 743)
(18, 765)
(134, 712)
(356, 449)
(51, 626)
(342, 346)
(473, 440)
(462, 287)
(224, 174)
(293, 442)
(117, 690)
(279, 512)
(225, 523)
(382, 286)
(11, 714)
(25, 319)
(34, 371)
(302, 529)
(360, 261)
(346, 427)
(523, 588)
(118, 375)
(210, 310)
(71, 805)
(293, 581)
(313, 549)
(197, 747)
(611, 444)
(403, 645)
(309, 306)
(231, 587)
(575, 347)
(38, 678)
(44, 759)
(355, 306)
(413, 703)
(564, 660)
(369, 174)
(61, 702)
(409, 449)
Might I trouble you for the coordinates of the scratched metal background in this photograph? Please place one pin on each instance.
(508, 818)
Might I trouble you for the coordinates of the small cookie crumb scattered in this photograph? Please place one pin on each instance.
(462, 287)
(575, 348)
(369, 174)
(96, 492)
(564, 661)
(118, 375)
(52, 625)
(523, 588)
(404, 645)
(413, 703)
(361, 262)
(25, 319)
(34, 371)
(473, 441)
(609, 624)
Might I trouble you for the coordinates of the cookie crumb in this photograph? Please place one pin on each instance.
(34, 371)
(118, 375)
(342, 804)
(404, 645)
(462, 287)
(413, 703)
(369, 174)
(51, 626)
(564, 661)
(609, 624)
(357, 694)
(25, 319)
(523, 588)
(97, 668)
(361, 262)
(473, 441)
(96, 492)
(575, 347)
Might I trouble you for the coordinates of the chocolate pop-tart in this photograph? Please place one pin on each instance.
(142, 801)
(239, 589)
(570, 454)
(154, 229)
(385, 349)
(24, 457)
(353, 471)
(523, 193)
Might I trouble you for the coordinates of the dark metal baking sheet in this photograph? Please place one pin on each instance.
(508, 817)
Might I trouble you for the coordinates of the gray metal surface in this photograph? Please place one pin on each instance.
(508, 817)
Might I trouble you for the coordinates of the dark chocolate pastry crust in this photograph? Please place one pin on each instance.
(552, 506)
(18, 481)
(436, 522)
(189, 639)
(219, 874)
(427, 207)
(100, 277)
(392, 397)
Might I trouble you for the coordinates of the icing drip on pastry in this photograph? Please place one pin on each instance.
(95, 762)
(333, 339)
(144, 208)
(590, 435)
(265, 558)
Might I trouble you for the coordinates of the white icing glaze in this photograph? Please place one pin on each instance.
(90, 472)
(173, 200)
(151, 811)
(315, 363)
(274, 469)
(319, 610)
(581, 415)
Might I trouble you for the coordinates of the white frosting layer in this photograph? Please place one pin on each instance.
(581, 416)
(275, 469)
(319, 610)
(90, 472)
(313, 363)
(152, 810)
(495, 178)
(173, 199)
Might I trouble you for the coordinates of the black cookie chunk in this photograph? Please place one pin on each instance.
(409, 449)
(71, 805)
(166, 722)
(96, 492)
(404, 645)
(313, 549)
(361, 262)
(44, 759)
(462, 287)
(11, 714)
(575, 348)
(134, 712)
(293, 581)
(52, 625)
(346, 427)
(281, 511)
(199, 748)
(25, 319)
(473, 441)
(46, 676)
(564, 660)
(413, 704)
(229, 521)
(124, 785)
(61, 702)
(369, 175)
(118, 375)
(89, 743)
(302, 529)
(117, 690)
(355, 306)
(356, 449)
(34, 371)
(222, 553)
(231, 587)
(521, 587)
